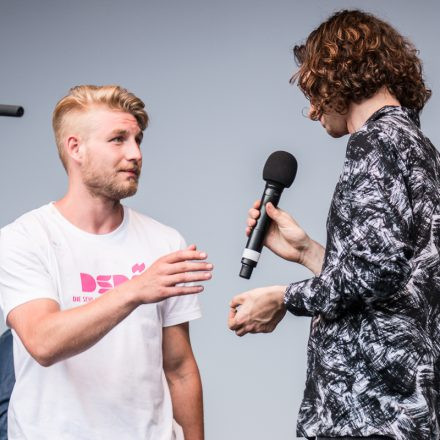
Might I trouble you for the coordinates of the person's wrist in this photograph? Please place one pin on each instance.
(130, 291)
(312, 256)
(277, 294)
(306, 251)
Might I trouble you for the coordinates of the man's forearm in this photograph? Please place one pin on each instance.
(186, 394)
(64, 333)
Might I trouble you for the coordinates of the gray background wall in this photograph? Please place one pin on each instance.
(214, 76)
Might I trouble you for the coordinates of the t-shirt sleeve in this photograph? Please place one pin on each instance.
(24, 272)
(179, 309)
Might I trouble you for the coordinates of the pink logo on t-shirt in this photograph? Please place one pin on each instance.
(89, 283)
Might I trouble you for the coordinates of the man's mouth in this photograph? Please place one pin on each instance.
(133, 171)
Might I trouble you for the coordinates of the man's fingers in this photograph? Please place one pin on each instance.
(187, 266)
(182, 290)
(257, 204)
(187, 277)
(183, 255)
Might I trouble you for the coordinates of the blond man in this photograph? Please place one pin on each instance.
(96, 293)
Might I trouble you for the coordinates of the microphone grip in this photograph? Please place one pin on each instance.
(256, 238)
(11, 110)
(251, 254)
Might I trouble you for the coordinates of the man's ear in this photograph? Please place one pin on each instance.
(74, 148)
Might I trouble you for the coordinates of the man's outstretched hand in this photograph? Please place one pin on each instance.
(168, 276)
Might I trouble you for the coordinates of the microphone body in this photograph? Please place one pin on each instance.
(252, 251)
(279, 172)
(11, 110)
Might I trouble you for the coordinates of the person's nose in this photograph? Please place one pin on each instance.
(133, 151)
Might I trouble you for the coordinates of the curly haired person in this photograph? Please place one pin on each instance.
(373, 350)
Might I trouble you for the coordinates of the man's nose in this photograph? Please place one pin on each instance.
(133, 151)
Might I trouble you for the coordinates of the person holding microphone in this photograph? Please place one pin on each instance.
(374, 345)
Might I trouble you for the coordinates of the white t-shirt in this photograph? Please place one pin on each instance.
(117, 388)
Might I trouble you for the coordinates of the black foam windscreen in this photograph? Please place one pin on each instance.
(280, 168)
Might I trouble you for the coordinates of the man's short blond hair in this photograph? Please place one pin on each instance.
(82, 98)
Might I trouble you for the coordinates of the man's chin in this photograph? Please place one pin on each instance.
(128, 192)
(122, 192)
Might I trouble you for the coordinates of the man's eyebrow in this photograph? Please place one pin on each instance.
(119, 131)
(122, 132)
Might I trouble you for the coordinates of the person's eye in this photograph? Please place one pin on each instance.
(117, 139)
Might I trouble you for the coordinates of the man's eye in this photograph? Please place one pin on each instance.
(117, 139)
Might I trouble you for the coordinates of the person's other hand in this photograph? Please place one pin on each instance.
(257, 311)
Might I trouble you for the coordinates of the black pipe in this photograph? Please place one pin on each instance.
(11, 110)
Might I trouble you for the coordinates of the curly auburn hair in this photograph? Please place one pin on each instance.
(351, 56)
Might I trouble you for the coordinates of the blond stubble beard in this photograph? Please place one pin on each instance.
(101, 185)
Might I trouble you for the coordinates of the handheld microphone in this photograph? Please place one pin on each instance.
(279, 172)
(11, 110)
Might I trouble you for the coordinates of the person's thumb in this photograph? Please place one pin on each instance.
(237, 301)
(274, 213)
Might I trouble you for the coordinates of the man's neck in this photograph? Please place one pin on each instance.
(358, 113)
(93, 214)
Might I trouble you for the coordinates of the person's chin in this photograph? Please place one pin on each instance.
(132, 186)
(127, 189)
(335, 134)
(129, 192)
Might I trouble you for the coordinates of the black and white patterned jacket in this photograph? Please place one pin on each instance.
(373, 353)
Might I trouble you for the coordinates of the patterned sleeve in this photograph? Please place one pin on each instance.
(369, 234)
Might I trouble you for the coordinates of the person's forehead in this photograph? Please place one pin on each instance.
(105, 119)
